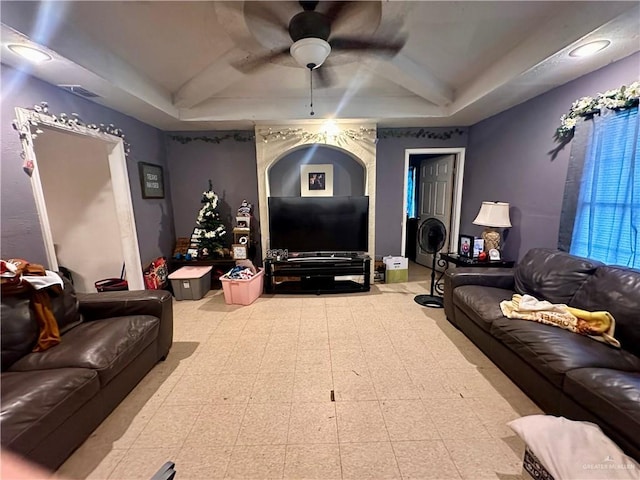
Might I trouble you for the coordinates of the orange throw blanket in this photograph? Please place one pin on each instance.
(40, 302)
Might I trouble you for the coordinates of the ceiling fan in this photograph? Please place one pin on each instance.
(310, 32)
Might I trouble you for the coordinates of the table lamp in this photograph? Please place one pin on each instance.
(493, 215)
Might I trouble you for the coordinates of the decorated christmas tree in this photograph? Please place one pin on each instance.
(212, 230)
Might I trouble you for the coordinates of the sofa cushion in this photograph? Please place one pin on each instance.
(37, 402)
(552, 275)
(554, 351)
(65, 307)
(615, 289)
(18, 328)
(481, 304)
(104, 345)
(611, 395)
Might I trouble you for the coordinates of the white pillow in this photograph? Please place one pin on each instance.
(572, 450)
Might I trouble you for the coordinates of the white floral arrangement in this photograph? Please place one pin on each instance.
(616, 99)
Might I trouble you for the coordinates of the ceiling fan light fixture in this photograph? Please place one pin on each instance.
(310, 52)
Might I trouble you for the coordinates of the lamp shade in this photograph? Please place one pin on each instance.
(310, 52)
(493, 214)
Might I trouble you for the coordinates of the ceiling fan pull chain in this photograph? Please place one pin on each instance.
(311, 90)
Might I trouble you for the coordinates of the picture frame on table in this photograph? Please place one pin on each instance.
(465, 246)
(151, 180)
(239, 251)
(478, 247)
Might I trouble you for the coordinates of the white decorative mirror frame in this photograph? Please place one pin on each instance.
(28, 123)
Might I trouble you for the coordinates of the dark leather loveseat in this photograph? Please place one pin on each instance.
(565, 373)
(51, 401)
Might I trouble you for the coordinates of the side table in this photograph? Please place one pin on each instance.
(444, 259)
(460, 261)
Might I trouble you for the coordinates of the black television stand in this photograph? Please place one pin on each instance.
(317, 274)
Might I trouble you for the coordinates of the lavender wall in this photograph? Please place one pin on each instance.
(21, 236)
(231, 166)
(390, 180)
(508, 160)
(348, 174)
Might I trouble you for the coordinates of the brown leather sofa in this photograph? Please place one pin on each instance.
(51, 401)
(565, 373)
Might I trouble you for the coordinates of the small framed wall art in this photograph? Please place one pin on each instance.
(316, 180)
(151, 180)
(465, 246)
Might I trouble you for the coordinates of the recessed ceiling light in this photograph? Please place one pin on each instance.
(589, 48)
(30, 53)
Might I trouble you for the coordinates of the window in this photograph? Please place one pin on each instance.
(607, 222)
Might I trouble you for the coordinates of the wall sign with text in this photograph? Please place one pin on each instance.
(151, 180)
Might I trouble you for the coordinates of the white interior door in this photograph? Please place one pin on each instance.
(435, 197)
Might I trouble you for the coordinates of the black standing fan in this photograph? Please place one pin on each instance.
(431, 236)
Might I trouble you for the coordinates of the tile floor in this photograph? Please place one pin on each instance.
(246, 393)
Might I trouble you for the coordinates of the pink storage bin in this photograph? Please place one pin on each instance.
(242, 292)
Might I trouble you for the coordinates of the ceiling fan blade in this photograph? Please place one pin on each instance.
(268, 15)
(324, 77)
(254, 62)
(335, 9)
(379, 46)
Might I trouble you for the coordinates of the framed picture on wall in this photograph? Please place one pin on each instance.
(151, 180)
(316, 180)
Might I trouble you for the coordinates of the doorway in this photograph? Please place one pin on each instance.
(434, 193)
(444, 199)
(81, 188)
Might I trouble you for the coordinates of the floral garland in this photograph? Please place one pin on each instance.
(420, 133)
(288, 133)
(41, 115)
(585, 107)
(362, 133)
(237, 136)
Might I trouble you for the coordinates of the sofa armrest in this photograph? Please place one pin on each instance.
(158, 303)
(488, 277)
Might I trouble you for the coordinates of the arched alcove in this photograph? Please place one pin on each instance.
(348, 172)
(275, 143)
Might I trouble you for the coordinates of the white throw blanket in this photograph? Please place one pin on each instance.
(571, 450)
(597, 325)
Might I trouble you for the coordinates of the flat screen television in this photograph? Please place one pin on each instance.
(319, 224)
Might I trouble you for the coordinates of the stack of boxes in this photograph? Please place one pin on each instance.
(396, 269)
